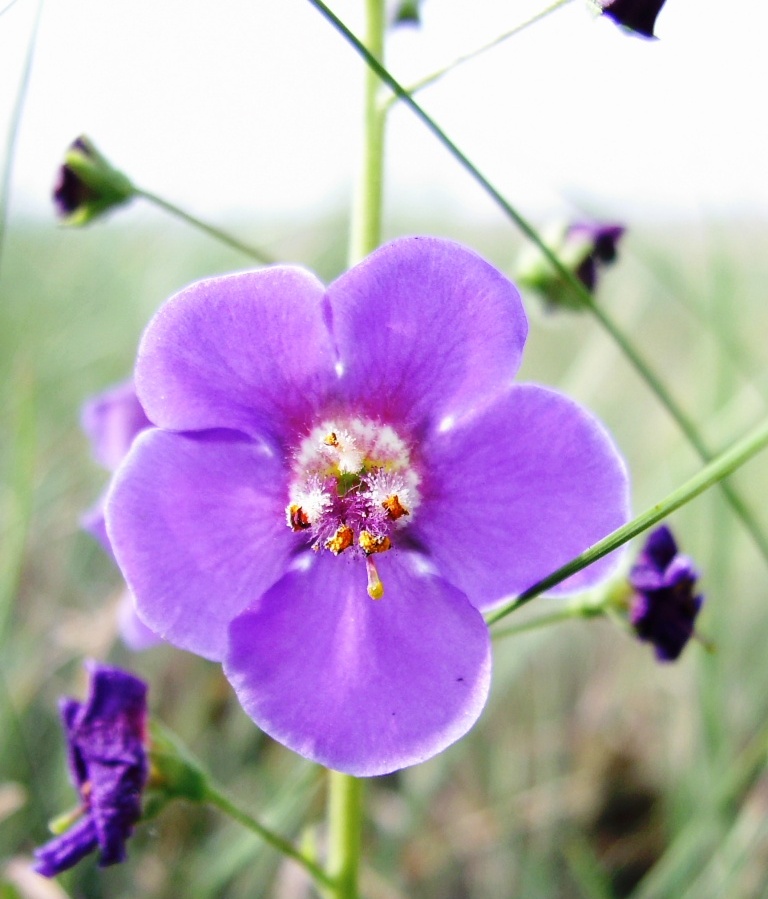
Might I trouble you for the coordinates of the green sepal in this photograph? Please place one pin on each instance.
(174, 773)
(61, 823)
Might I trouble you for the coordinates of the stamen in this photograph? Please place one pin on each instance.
(370, 543)
(331, 439)
(297, 518)
(395, 509)
(375, 586)
(341, 540)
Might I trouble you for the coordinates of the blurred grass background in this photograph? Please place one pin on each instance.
(594, 772)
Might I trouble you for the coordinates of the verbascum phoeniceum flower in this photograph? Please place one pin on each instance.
(106, 742)
(112, 420)
(340, 481)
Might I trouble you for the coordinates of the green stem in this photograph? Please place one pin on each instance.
(577, 608)
(578, 290)
(726, 463)
(216, 798)
(467, 57)
(345, 820)
(365, 226)
(254, 252)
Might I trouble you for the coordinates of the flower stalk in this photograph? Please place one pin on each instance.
(427, 80)
(345, 820)
(216, 798)
(255, 253)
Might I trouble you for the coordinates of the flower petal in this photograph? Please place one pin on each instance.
(111, 420)
(133, 632)
(66, 850)
(516, 491)
(425, 328)
(359, 685)
(196, 523)
(248, 351)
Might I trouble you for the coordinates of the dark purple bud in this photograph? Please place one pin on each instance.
(106, 745)
(87, 185)
(665, 604)
(599, 247)
(582, 247)
(636, 15)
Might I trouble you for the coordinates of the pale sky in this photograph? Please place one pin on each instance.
(227, 106)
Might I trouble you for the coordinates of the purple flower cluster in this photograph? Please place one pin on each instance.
(340, 481)
(666, 605)
(108, 766)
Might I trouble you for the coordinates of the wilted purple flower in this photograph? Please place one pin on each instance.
(87, 185)
(111, 420)
(320, 448)
(637, 15)
(665, 606)
(106, 738)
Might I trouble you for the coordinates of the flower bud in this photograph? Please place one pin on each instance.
(87, 185)
(582, 247)
(406, 12)
(637, 16)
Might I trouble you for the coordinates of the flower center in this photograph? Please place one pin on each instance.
(353, 487)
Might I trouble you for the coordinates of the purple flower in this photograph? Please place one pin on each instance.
(665, 606)
(637, 15)
(341, 479)
(111, 421)
(108, 766)
(87, 185)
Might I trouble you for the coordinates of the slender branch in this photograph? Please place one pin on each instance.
(216, 798)
(725, 464)
(254, 252)
(578, 290)
(467, 57)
